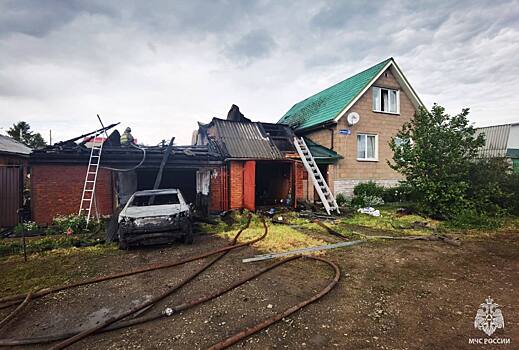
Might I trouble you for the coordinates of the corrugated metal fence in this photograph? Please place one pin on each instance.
(11, 186)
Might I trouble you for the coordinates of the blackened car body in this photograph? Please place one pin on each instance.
(155, 216)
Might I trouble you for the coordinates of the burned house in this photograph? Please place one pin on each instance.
(58, 175)
(262, 166)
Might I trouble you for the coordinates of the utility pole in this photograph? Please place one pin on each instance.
(50, 137)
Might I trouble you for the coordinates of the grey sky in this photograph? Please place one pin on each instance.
(161, 66)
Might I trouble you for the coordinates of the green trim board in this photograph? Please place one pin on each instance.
(512, 152)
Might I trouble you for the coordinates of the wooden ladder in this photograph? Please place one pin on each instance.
(327, 197)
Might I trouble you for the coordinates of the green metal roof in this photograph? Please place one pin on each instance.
(513, 153)
(327, 104)
(321, 154)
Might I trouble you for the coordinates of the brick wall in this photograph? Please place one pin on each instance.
(347, 172)
(56, 190)
(218, 190)
(299, 179)
(236, 184)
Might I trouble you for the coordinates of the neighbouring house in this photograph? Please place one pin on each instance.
(14, 157)
(356, 118)
(262, 167)
(13, 152)
(501, 141)
(58, 175)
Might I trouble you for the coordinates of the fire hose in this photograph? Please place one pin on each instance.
(117, 322)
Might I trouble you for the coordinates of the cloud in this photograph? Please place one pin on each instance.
(253, 45)
(160, 66)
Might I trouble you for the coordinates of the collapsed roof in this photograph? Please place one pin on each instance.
(248, 140)
(113, 155)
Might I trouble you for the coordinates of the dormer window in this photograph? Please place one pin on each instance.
(386, 100)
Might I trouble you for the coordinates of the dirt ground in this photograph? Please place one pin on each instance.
(391, 295)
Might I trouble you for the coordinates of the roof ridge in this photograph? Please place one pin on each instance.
(344, 80)
(327, 103)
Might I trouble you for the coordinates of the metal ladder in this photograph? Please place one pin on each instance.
(327, 197)
(87, 198)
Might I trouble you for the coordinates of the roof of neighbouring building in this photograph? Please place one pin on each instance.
(321, 154)
(9, 145)
(328, 104)
(496, 140)
(250, 140)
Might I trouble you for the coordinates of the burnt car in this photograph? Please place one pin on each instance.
(155, 217)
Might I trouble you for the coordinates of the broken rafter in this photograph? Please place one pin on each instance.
(88, 134)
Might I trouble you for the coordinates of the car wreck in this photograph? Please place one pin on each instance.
(154, 217)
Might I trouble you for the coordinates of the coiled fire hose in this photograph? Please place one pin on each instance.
(117, 322)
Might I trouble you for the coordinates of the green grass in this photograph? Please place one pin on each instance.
(51, 268)
(280, 238)
(390, 221)
(38, 244)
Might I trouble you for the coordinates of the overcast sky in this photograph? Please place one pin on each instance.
(161, 66)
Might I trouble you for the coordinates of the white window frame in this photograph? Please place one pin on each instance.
(377, 104)
(375, 159)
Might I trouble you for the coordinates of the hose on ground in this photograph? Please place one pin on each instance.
(15, 299)
(182, 307)
(117, 322)
(69, 341)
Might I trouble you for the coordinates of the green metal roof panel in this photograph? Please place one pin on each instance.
(513, 153)
(321, 154)
(327, 104)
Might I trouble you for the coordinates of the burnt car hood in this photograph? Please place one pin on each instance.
(151, 211)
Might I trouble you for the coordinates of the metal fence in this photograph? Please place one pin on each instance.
(11, 187)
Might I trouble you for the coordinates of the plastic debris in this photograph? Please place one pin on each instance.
(370, 211)
(168, 311)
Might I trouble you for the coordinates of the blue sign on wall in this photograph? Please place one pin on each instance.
(344, 132)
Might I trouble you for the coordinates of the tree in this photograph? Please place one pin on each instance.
(21, 131)
(434, 152)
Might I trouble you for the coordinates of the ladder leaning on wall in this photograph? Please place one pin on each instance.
(88, 196)
(327, 197)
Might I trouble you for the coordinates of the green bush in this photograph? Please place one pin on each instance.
(493, 188)
(510, 185)
(77, 223)
(472, 219)
(341, 199)
(367, 194)
(369, 188)
(27, 227)
(400, 193)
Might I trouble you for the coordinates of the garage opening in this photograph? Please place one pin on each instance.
(274, 185)
(185, 180)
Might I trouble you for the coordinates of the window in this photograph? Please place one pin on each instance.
(367, 147)
(159, 199)
(386, 100)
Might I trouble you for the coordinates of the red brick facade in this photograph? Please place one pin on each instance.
(56, 190)
(236, 184)
(300, 175)
(218, 190)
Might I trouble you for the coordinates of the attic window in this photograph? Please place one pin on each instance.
(386, 100)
